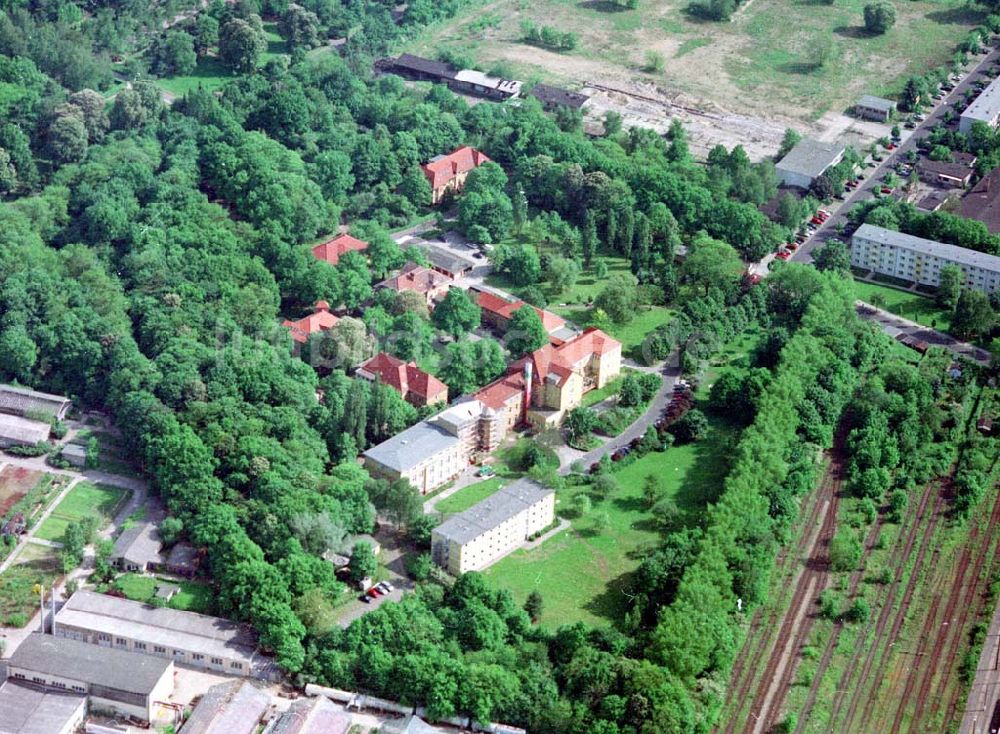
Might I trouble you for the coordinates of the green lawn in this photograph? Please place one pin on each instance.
(596, 396)
(913, 306)
(193, 597)
(83, 500)
(466, 497)
(581, 572)
(632, 334)
(209, 75)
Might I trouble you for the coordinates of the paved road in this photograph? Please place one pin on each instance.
(873, 176)
(894, 325)
(671, 373)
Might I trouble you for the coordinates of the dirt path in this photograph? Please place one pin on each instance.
(796, 623)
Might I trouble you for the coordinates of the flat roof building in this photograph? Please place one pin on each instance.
(196, 640)
(234, 707)
(944, 173)
(874, 108)
(553, 98)
(916, 259)
(113, 680)
(28, 709)
(426, 454)
(484, 85)
(808, 160)
(984, 108)
(492, 528)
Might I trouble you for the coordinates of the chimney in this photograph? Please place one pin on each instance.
(41, 607)
(53, 611)
(527, 387)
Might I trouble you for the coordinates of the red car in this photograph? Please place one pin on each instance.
(792, 246)
(784, 255)
(885, 190)
(374, 593)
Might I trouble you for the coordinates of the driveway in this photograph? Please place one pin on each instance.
(671, 372)
(873, 176)
(895, 325)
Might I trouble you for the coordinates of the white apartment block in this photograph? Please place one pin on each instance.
(984, 108)
(489, 530)
(913, 258)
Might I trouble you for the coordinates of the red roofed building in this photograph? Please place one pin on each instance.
(332, 250)
(448, 172)
(320, 320)
(497, 311)
(430, 283)
(415, 385)
(543, 386)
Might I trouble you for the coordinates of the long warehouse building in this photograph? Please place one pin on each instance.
(904, 256)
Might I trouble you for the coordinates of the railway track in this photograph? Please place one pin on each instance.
(902, 552)
(759, 638)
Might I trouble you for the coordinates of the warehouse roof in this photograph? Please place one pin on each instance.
(959, 255)
(27, 710)
(16, 429)
(409, 62)
(811, 157)
(235, 707)
(167, 627)
(80, 661)
(412, 446)
(876, 103)
(25, 402)
(986, 106)
(492, 511)
(313, 716)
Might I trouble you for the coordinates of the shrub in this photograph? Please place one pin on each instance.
(845, 551)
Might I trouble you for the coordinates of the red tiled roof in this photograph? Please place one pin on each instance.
(443, 169)
(332, 250)
(416, 278)
(320, 320)
(550, 321)
(498, 393)
(562, 359)
(505, 309)
(403, 377)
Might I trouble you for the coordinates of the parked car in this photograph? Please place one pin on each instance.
(792, 246)
(374, 593)
(886, 190)
(784, 255)
(365, 599)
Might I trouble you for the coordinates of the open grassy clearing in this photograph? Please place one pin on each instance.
(582, 571)
(83, 500)
(758, 63)
(910, 305)
(466, 497)
(193, 597)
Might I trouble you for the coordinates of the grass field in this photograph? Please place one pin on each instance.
(910, 305)
(581, 572)
(466, 497)
(83, 500)
(758, 63)
(192, 597)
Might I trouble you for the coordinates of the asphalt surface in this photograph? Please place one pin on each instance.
(895, 325)
(873, 176)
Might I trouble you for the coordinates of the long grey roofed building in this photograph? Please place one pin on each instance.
(410, 447)
(958, 255)
(441, 259)
(181, 635)
(235, 707)
(984, 108)
(25, 402)
(492, 511)
(312, 716)
(100, 666)
(18, 431)
(551, 97)
(27, 710)
(876, 103)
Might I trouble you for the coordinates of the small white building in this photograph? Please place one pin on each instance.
(874, 108)
(492, 528)
(807, 161)
(919, 260)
